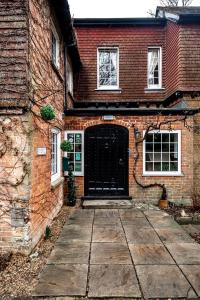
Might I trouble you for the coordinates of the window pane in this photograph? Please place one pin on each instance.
(165, 137)
(149, 147)
(149, 138)
(173, 156)
(157, 138)
(165, 167)
(157, 147)
(153, 66)
(165, 157)
(149, 156)
(174, 137)
(70, 138)
(157, 156)
(107, 67)
(174, 166)
(78, 148)
(78, 156)
(157, 166)
(78, 138)
(77, 167)
(71, 165)
(165, 147)
(149, 166)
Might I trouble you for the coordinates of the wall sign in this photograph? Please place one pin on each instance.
(108, 117)
(42, 151)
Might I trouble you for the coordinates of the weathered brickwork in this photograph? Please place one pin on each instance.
(179, 188)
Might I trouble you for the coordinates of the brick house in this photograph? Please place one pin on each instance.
(37, 55)
(123, 75)
(136, 72)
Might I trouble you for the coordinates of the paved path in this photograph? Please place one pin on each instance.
(122, 253)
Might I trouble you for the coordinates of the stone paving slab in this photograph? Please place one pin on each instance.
(137, 222)
(156, 213)
(150, 254)
(162, 222)
(104, 234)
(61, 280)
(193, 274)
(141, 236)
(159, 282)
(106, 221)
(71, 252)
(130, 214)
(185, 253)
(75, 233)
(107, 213)
(113, 281)
(110, 253)
(173, 235)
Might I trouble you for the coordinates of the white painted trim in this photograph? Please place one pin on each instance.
(161, 173)
(155, 86)
(65, 153)
(110, 87)
(57, 175)
(55, 33)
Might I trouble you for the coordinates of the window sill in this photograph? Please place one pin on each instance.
(178, 174)
(56, 70)
(56, 183)
(74, 173)
(112, 90)
(154, 90)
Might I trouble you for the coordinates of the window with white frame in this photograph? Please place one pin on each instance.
(162, 153)
(55, 47)
(108, 68)
(154, 68)
(55, 154)
(69, 78)
(76, 155)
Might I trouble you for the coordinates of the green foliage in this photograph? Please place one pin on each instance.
(47, 112)
(47, 233)
(71, 188)
(66, 146)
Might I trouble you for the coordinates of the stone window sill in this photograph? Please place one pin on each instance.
(154, 90)
(56, 183)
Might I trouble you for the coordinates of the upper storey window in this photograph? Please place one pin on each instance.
(55, 48)
(108, 68)
(154, 68)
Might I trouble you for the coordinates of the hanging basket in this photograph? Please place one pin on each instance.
(47, 112)
(66, 146)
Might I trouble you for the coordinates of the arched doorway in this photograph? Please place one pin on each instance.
(106, 160)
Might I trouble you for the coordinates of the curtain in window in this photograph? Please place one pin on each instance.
(108, 67)
(153, 61)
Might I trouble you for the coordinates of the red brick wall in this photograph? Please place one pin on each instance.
(178, 187)
(133, 43)
(48, 87)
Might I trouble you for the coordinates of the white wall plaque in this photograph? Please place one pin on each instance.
(108, 117)
(42, 151)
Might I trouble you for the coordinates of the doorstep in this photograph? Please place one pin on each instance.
(107, 203)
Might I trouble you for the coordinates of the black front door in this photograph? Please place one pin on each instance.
(106, 160)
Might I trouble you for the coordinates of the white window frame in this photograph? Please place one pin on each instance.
(82, 152)
(108, 87)
(159, 85)
(70, 83)
(162, 173)
(55, 33)
(57, 175)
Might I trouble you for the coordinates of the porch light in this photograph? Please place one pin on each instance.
(136, 133)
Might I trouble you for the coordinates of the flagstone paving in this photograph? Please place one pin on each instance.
(122, 253)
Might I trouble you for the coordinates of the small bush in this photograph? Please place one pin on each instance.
(47, 112)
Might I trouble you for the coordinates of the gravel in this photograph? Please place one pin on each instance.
(19, 273)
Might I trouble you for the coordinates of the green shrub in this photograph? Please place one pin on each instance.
(47, 112)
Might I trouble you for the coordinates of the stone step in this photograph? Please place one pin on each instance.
(103, 203)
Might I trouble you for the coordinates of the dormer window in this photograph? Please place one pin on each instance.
(55, 48)
(154, 68)
(108, 68)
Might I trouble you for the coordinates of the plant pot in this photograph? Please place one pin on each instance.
(163, 203)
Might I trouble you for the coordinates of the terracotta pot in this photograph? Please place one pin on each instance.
(163, 203)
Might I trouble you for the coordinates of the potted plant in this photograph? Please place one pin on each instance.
(66, 146)
(163, 202)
